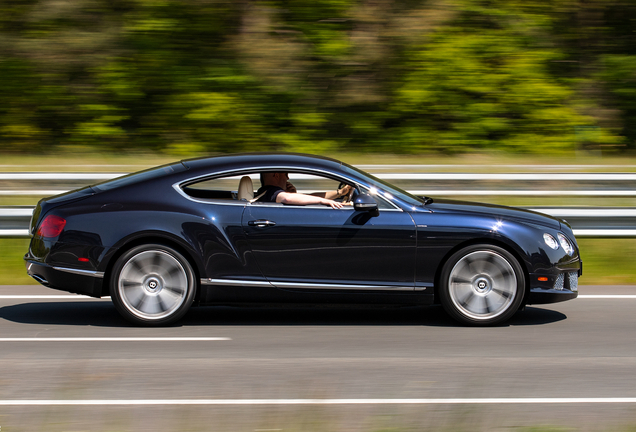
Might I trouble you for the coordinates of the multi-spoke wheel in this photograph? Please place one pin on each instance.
(152, 285)
(482, 285)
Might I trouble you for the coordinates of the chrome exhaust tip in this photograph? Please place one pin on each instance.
(40, 279)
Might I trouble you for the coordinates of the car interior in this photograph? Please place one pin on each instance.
(243, 188)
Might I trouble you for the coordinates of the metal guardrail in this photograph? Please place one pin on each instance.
(432, 184)
(587, 222)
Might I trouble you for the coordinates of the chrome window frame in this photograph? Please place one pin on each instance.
(271, 168)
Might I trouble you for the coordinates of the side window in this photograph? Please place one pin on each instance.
(308, 184)
(234, 188)
(311, 183)
(220, 188)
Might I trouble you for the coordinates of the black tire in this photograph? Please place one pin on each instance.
(152, 285)
(482, 285)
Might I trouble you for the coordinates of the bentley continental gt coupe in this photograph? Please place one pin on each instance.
(192, 233)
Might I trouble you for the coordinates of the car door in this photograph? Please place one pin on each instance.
(317, 247)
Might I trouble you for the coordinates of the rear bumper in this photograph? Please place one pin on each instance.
(67, 279)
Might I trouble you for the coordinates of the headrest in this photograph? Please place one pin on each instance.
(245, 189)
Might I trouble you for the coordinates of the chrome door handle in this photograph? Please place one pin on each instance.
(261, 223)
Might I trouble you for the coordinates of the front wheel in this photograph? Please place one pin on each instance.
(152, 285)
(482, 285)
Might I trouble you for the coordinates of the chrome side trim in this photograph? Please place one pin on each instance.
(81, 272)
(299, 285)
(233, 282)
(340, 286)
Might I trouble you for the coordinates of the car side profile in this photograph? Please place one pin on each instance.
(192, 233)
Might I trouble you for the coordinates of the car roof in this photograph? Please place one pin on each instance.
(241, 160)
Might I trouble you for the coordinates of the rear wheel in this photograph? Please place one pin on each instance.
(152, 285)
(482, 285)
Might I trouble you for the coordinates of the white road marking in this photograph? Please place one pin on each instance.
(51, 297)
(82, 297)
(481, 401)
(115, 339)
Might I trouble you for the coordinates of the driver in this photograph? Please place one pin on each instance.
(277, 188)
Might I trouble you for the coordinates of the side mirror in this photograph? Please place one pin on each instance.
(366, 203)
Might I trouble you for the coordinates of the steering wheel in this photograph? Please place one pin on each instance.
(346, 198)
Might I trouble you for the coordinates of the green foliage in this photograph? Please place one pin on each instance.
(483, 82)
(407, 76)
(619, 77)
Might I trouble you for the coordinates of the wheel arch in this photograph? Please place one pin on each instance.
(154, 238)
(482, 240)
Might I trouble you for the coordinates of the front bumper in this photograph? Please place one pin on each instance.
(67, 279)
(543, 296)
(553, 288)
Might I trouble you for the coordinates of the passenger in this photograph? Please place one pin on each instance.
(277, 188)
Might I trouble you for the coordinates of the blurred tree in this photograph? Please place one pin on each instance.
(483, 82)
(617, 65)
(316, 76)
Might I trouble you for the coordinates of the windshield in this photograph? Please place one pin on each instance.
(394, 191)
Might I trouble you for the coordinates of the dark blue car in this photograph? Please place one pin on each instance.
(160, 240)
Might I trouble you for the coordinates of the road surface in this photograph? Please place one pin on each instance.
(71, 363)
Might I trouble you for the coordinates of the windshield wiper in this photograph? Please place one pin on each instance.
(427, 200)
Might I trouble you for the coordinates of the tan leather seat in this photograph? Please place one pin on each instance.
(245, 189)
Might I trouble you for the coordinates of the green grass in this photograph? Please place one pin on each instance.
(286, 419)
(12, 268)
(608, 261)
(605, 261)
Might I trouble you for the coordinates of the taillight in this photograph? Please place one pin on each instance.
(51, 226)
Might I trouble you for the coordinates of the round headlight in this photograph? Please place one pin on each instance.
(550, 241)
(565, 244)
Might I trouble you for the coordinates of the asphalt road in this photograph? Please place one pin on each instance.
(273, 369)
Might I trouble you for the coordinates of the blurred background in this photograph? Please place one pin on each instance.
(424, 85)
(389, 76)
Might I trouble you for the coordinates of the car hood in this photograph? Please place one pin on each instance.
(522, 215)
